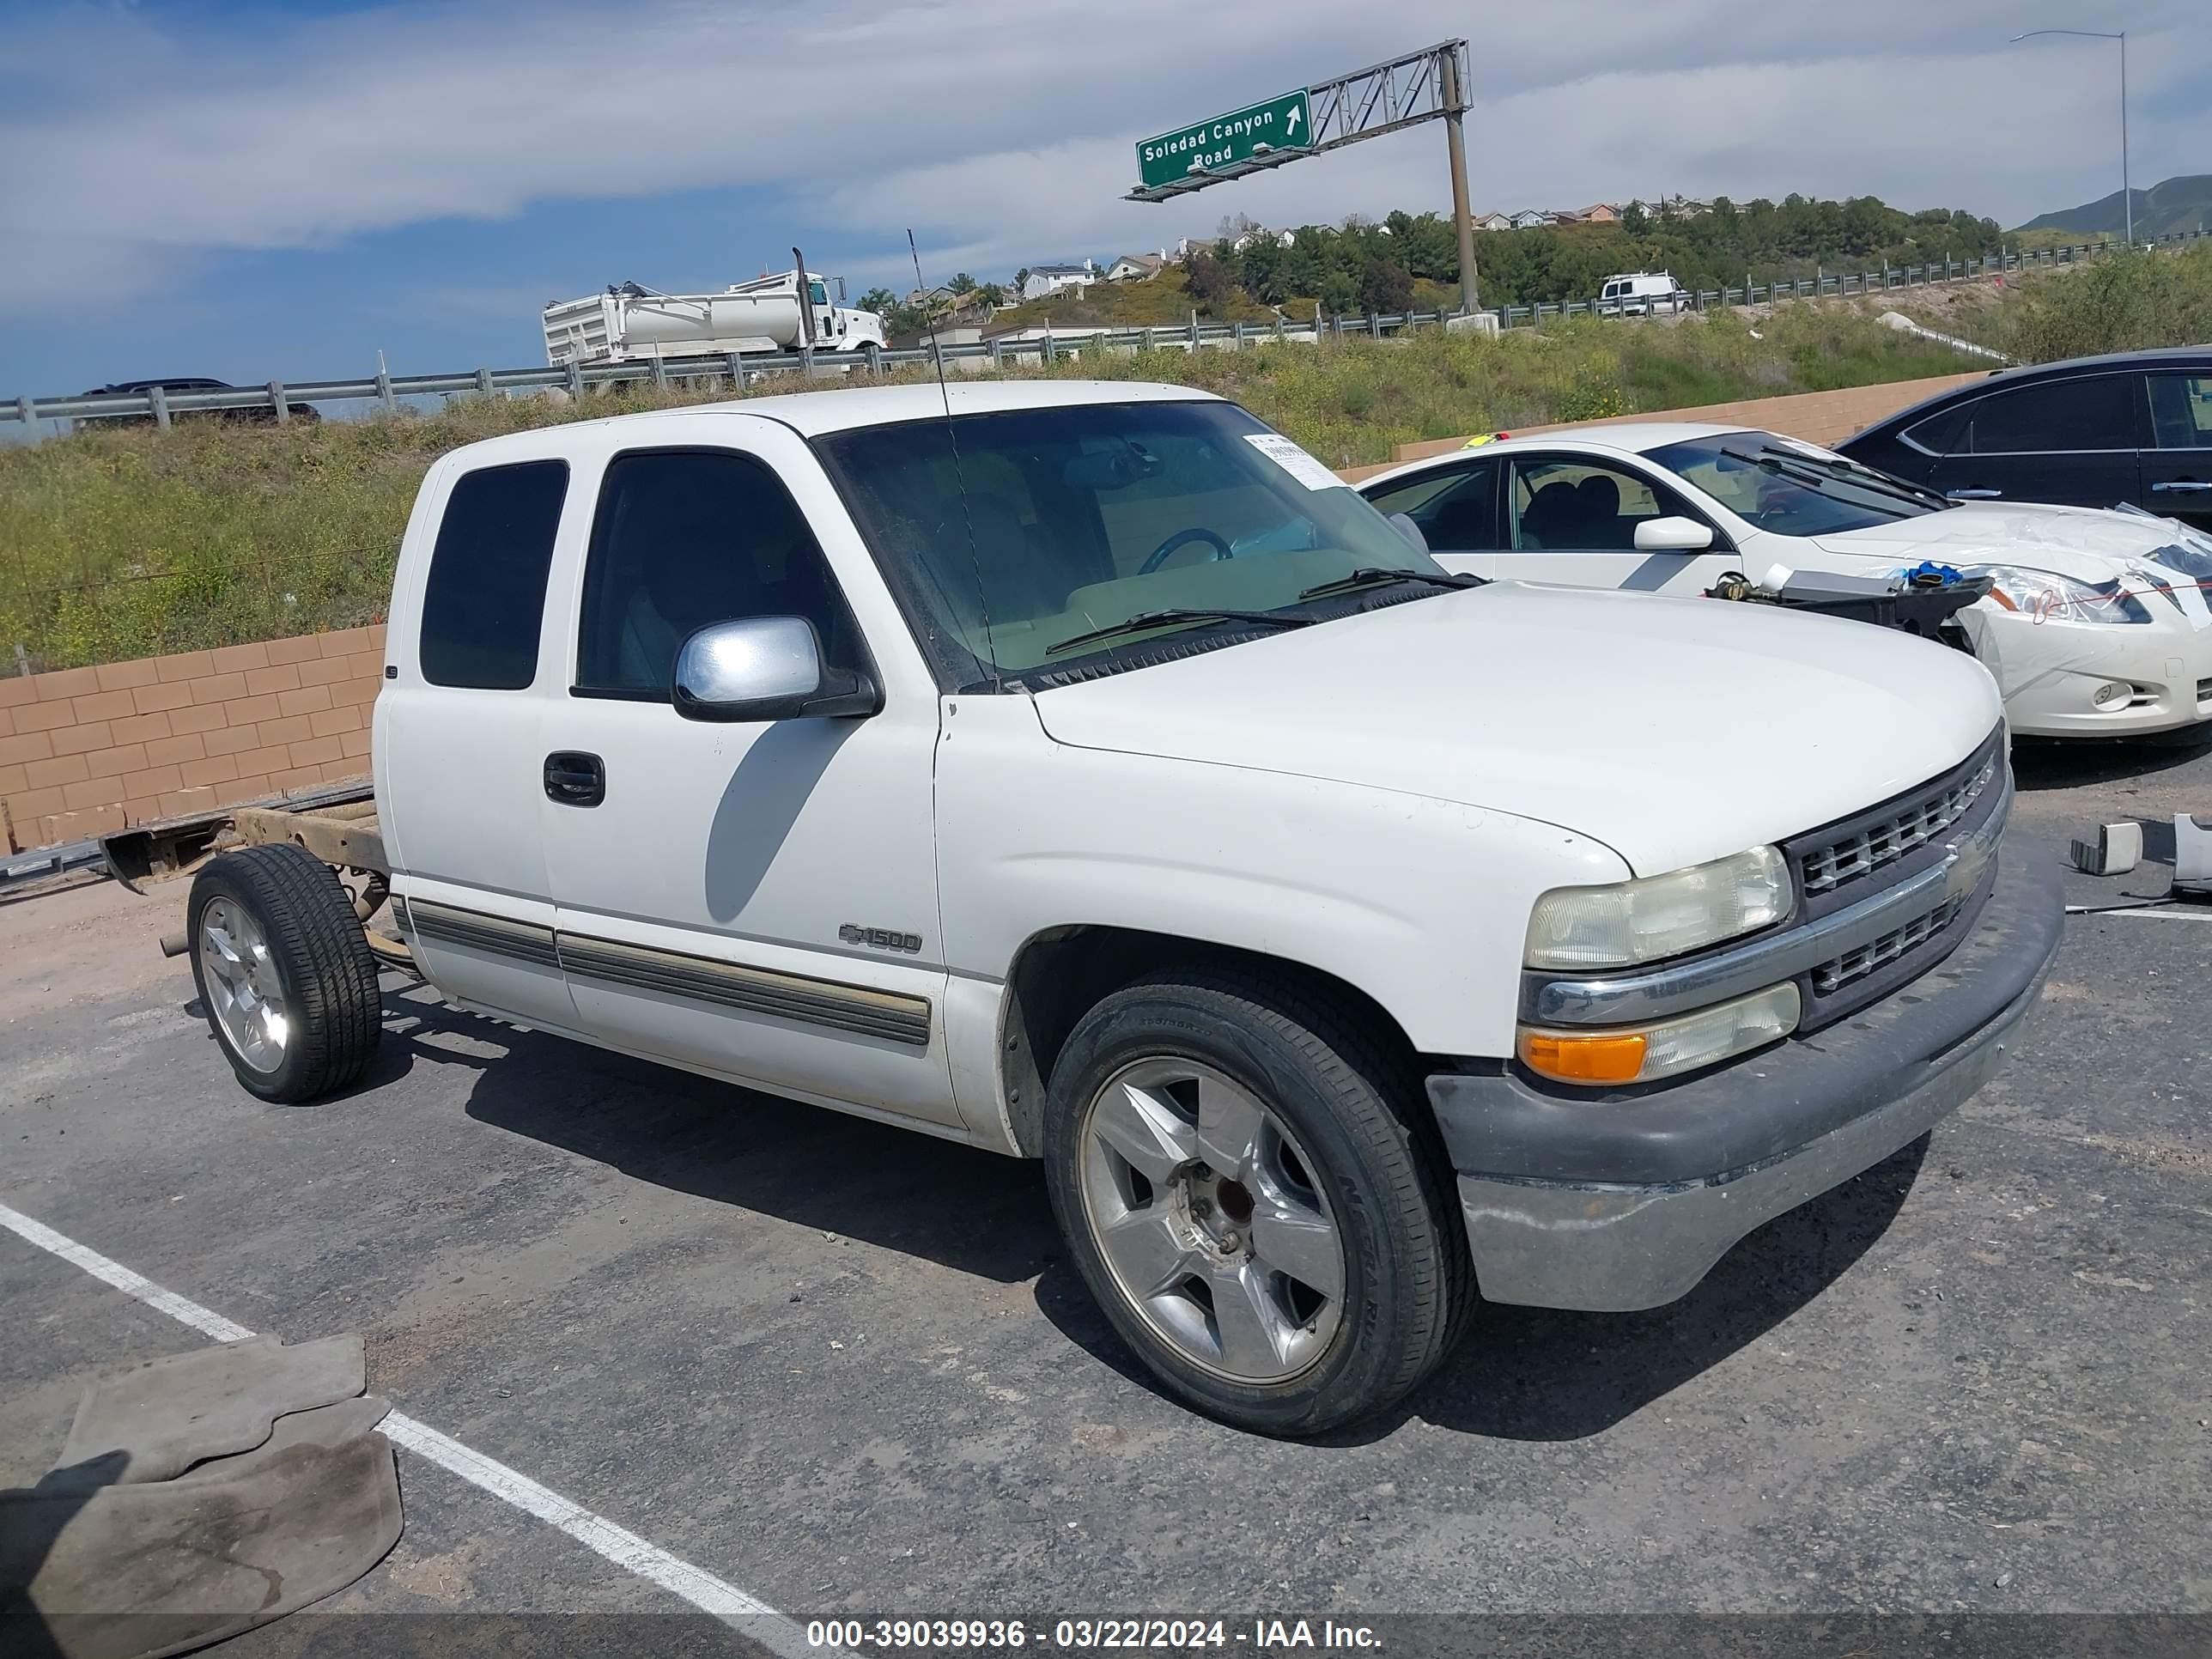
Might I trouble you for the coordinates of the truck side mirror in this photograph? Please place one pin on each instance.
(1673, 534)
(766, 668)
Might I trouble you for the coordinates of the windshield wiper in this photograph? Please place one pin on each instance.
(1783, 461)
(1375, 575)
(1165, 618)
(1873, 478)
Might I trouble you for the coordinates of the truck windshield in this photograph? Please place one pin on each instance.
(1792, 488)
(1080, 517)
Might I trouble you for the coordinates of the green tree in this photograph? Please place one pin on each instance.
(1211, 281)
(1385, 287)
(881, 300)
(961, 284)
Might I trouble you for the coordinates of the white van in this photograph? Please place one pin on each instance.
(1640, 293)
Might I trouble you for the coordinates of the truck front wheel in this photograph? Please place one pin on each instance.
(1248, 1189)
(283, 971)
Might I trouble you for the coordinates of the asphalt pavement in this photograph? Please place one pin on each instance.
(844, 1368)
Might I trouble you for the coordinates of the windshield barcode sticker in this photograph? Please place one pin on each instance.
(1295, 461)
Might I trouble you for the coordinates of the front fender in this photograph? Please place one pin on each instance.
(1422, 904)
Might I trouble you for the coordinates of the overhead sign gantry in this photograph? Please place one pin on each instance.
(1429, 85)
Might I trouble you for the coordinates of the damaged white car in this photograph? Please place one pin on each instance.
(2097, 625)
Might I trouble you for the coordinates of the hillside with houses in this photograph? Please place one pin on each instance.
(1253, 272)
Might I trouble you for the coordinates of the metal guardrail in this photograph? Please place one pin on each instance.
(741, 369)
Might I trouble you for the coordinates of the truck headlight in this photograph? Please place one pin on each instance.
(1646, 1053)
(2044, 594)
(1629, 922)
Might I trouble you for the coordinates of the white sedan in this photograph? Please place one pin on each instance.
(2098, 626)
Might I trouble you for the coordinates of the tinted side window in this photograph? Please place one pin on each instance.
(1941, 434)
(2181, 411)
(485, 595)
(1583, 505)
(2096, 413)
(1456, 509)
(686, 538)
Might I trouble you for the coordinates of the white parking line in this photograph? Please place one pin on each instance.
(754, 1617)
(2137, 910)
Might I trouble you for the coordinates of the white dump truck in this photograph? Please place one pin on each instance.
(1081, 772)
(628, 323)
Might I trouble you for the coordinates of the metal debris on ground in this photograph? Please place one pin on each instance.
(2117, 850)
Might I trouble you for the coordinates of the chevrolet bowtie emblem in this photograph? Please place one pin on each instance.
(1969, 860)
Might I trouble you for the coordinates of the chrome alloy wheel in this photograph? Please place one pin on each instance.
(247, 997)
(1208, 1215)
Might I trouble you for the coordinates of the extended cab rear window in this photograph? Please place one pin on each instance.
(485, 596)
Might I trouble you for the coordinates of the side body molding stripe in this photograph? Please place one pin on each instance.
(855, 1008)
(499, 935)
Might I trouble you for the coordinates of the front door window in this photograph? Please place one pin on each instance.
(1572, 502)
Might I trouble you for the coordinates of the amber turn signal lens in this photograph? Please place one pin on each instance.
(1569, 1057)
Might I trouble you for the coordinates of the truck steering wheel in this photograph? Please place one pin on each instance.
(1159, 556)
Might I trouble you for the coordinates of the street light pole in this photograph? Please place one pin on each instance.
(2127, 195)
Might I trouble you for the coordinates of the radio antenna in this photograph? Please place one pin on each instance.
(959, 478)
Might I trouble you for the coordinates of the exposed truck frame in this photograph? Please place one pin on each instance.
(336, 827)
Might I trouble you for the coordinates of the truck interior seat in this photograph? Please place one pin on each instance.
(1018, 585)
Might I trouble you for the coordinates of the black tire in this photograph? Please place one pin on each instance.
(1358, 1114)
(322, 961)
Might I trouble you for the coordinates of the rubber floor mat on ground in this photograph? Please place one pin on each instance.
(198, 1497)
(168, 1414)
(158, 1567)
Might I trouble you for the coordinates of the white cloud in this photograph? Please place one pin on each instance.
(134, 146)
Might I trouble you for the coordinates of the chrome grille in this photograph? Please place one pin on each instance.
(1824, 869)
(1833, 975)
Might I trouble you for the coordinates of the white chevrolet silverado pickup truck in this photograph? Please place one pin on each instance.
(1082, 772)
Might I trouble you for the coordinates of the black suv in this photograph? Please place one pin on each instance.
(2090, 432)
(263, 415)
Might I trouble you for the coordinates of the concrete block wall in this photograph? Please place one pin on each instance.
(87, 752)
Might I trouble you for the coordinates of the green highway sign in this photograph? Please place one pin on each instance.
(1282, 123)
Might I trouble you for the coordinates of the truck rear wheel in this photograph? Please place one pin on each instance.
(1247, 1189)
(283, 971)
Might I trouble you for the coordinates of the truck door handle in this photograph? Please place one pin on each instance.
(2185, 484)
(1973, 494)
(575, 779)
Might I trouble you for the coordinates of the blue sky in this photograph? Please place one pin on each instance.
(280, 190)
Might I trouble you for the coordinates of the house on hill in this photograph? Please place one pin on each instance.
(1530, 219)
(1044, 280)
(1136, 267)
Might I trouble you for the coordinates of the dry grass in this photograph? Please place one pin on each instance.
(117, 544)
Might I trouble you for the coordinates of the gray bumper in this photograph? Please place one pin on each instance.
(1613, 1206)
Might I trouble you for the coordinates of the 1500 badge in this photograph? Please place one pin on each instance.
(879, 938)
